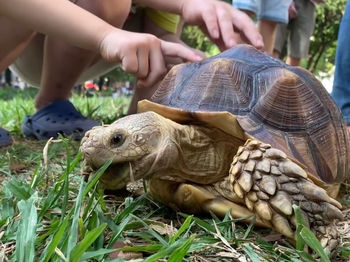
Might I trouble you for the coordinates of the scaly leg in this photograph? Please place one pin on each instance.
(197, 199)
(269, 183)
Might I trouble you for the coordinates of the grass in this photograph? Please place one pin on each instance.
(48, 212)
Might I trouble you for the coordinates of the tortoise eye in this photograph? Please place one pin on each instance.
(117, 139)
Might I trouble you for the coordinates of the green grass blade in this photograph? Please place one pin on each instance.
(313, 242)
(6, 208)
(251, 253)
(119, 230)
(36, 175)
(26, 234)
(206, 226)
(89, 238)
(133, 206)
(73, 238)
(150, 248)
(155, 234)
(98, 174)
(50, 248)
(300, 243)
(306, 257)
(250, 227)
(181, 252)
(345, 251)
(165, 251)
(20, 190)
(75, 162)
(183, 228)
(97, 253)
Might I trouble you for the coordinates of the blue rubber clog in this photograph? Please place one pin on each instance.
(60, 117)
(5, 138)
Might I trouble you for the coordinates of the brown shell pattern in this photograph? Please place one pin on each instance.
(284, 106)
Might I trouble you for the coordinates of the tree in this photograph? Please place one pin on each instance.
(194, 37)
(324, 40)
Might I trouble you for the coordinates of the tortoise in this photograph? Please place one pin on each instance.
(239, 132)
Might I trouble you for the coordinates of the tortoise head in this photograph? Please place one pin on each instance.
(129, 142)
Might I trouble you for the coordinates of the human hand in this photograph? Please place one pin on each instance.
(292, 11)
(220, 21)
(142, 55)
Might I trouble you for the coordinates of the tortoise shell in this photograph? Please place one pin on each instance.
(284, 106)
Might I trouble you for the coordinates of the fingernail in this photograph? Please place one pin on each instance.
(198, 58)
(260, 43)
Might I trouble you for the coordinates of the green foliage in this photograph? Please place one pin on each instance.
(305, 236)
(324, 40)
(49, 213)
(117, 74)
(194, 37)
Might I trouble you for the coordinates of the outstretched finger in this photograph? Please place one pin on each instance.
(178, 50)
(211, 22)
(245, 25)
(226, 28)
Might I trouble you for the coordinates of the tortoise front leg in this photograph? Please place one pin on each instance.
(269, 184)
(197, 199)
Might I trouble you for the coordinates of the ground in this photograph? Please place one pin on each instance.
(48, 212)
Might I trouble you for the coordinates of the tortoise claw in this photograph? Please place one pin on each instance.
(269, 184)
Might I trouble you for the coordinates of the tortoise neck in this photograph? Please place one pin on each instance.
(194, 153)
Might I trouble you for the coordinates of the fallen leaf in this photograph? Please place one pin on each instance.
(125, 255)
(17, 167)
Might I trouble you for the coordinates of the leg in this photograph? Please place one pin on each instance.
(280, 40)
(341, 85)
(63, 63)
(247, 6)
(271, 12)
(270, 184)
(276, 54)
(13, 41)
(301, 29)
(293, 61)
(268, 31)
(197, 199)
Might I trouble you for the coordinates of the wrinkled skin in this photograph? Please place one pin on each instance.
(148, 144)
(190, 168)
(123, 142)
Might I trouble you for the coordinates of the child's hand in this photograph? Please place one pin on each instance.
(142, 54)
(220, 20)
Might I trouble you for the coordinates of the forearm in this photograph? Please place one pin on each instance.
(59, 18)
(172, 6)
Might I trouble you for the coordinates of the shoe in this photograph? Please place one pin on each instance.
(60, 117)
(5, 138)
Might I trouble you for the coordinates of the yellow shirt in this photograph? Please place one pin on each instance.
(165, 20)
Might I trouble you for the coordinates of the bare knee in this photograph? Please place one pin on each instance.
(114, 12)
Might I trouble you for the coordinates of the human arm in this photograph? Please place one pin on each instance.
(140, 54)
(217, 19)
(59, 18)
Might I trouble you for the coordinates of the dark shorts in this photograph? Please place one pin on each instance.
(298, 31)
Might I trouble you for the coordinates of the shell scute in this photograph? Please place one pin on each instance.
(286, 107)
